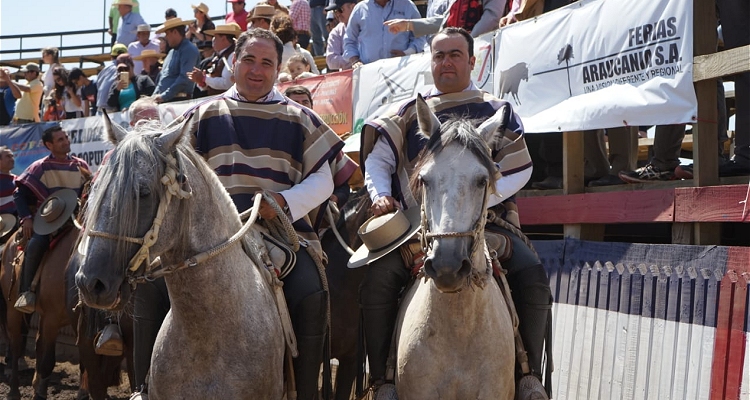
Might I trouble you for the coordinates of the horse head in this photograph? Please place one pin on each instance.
(454, 177)
(126, 224)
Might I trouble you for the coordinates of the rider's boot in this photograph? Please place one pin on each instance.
(34, 253)
(310, 330)
(533, 304)
(108, 342)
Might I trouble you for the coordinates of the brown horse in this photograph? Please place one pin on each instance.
(343, 286)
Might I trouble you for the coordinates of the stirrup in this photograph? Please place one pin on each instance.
(26, 303)
(109, 341)
(531, 388)
(385, 391)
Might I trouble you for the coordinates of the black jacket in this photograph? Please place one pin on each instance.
(144, 86)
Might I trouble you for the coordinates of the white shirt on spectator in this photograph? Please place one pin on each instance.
(136, 48)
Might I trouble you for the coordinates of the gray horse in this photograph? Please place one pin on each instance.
(223, 337)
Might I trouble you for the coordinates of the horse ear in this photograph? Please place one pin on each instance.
(427, 121)
(495, 123)
(115, 133)
(171, 137)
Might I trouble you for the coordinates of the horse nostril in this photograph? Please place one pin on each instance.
(99, 288)
(428, 268)
(465, 269)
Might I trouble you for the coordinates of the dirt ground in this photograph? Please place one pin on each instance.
(63, 384)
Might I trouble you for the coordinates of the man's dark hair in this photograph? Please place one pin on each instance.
(75, 74)
(47, 135)
(452, 30)
(170, 13)
(54, 51)
(180, 29)
(229, 37)
(299, 89)
(258, 33)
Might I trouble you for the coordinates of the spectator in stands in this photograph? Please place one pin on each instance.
(126, 32)
(277, 6)
(477, 18)
(623, 155)
(128, 86)
(143, 109)
(73, 99)
(144, 42)
(197, 30)
(318, 31)
(667, 148)
(183, 56)
(51, 57)
(151, 64)
(366, 40)
(342, 9)
(169, 14)
(107, 77)
(54, 102)
(299, 12)
(88, 90)
(300, 94)
(282, 26)
(28, 96)
(261, 16)
(331, 22)
(215, 76)
(114, 19)
(7, 184)
(238, 14)
(298, 67)
(7, 100)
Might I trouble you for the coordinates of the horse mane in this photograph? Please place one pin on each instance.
(123, 178)
(459, 130)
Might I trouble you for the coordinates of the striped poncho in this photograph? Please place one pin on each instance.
(48, 175)
(401, 133)
(270, 145)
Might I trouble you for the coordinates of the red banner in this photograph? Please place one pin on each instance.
(332, 98)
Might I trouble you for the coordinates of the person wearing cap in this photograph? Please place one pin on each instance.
(197, 30)
(106, 78)
(151, 65)
(390, 147)
(261, 16)
(183, 56)
(126, 31)
(59, 170)
(299, 12)
(238, 15)
(28, 96)
(366, 40)
(335, 48)
(114, 19)
(215, 76)
(268, 142)
(144, 42)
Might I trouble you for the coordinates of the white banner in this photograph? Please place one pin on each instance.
(600, 64)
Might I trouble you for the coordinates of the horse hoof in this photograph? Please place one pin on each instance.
(386, 391)
(531, 388)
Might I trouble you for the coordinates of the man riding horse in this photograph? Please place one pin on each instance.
(390, 147)
(40, 180)
(257, 139)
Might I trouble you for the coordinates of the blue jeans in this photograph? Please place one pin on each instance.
(318, 30)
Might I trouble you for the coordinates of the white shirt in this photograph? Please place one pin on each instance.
(136, 48)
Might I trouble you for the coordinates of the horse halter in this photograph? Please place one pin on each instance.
(173, 180)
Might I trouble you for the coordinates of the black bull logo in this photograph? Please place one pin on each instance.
(511, 78)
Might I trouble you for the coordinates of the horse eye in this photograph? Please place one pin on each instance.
(482, 182)
(144, 191)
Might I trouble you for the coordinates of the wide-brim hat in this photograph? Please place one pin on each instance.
(202, 7)
(55, 211)
(7, 223)
(124, 3)
(229, 29)
(173, 23)
(382, 234)
(262, 11)
(30, 67)
(148, 53)
(337, 4)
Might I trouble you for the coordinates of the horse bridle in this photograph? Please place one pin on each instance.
(427, 236)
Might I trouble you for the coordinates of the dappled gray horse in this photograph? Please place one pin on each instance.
(222, 338)
(454, 334)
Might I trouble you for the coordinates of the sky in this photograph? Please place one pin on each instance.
(17, 17)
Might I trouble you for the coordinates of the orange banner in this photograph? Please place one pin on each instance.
(332, 98)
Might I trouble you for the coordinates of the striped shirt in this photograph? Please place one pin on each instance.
(400, 133)
(7, 186)
(274, 144)
(48, 175)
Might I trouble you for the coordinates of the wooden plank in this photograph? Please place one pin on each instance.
(598, 208)
(573, 175)
(657, 346)
(721, 343)
(584, 315)
(682, 233)
(645, 334)
(738, 263)
(723, 63)
(710, 204)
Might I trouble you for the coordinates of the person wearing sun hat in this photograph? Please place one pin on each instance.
(126, 32)
(144, 42)
(183, 56)
(215, 76)
(261, 16)
(65, 172)
(238, 15)
(29, 96)
(197, 30)
(151, 65)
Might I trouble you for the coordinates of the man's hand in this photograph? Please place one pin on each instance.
(356, 62)
(507, 20)
(157, 98)
(397, 25)
(196, 76)
(28, 228)
(383, 205)
(266, 211)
